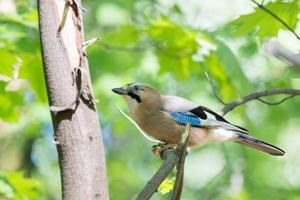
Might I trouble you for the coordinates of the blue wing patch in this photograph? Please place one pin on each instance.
(185, 117)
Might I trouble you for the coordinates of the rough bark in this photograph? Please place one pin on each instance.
(77, 132)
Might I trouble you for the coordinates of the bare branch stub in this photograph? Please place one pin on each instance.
(88, 43)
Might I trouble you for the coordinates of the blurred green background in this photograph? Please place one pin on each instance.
(169, 44)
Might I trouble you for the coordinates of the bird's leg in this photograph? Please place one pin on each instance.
(159, 148)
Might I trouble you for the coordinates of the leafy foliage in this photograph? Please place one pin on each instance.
(15, 186)
(265, 25)
(166, 186)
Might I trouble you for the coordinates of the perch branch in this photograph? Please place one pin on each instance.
(257, 96)
(172, 157)
(180, 169)
(261, 6)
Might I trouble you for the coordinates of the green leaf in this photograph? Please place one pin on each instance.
(125, 35)
(263, 24)
(28, 20)
(232, 67)
(32, 70)
(249, 48)
(13, 185)
(216, 68)
(10, 103)
(23, 187)
(174, 38)
(5, 189)
(166, 186)
(176, 47)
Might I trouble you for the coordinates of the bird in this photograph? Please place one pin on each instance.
(165, 117)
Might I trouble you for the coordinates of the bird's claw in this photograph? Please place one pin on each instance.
(159, 148)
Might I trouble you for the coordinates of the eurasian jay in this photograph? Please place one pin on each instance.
(165, 117)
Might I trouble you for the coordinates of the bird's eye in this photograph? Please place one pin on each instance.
(136, 87)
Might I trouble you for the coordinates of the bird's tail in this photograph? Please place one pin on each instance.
(258, 144)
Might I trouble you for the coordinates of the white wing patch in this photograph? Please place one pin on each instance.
(221, 135)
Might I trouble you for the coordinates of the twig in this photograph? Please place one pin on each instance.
(257, 95)
(5, 78)
(275, 103)
(137, 126)
(88, 43)
(171, 159)
(144, 47)
(261, 6)
(136, 48)
(279, 51)
(214, 88)
(180, 170)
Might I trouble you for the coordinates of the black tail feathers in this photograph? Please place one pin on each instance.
(258, 144)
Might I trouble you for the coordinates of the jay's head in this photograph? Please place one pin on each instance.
(139, 94)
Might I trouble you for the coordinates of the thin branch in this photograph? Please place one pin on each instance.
(172, 157)
(180, 169)
(214, 88)
(257, 95)
(148, 137)
(5, 78)
(135, 48)
(177, 190)
(261, 6)
(279, 51)
(144, 47)
(276, 103)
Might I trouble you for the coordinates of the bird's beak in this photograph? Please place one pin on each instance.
(120, 91)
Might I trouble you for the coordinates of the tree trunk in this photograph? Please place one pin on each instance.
(77, 131)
